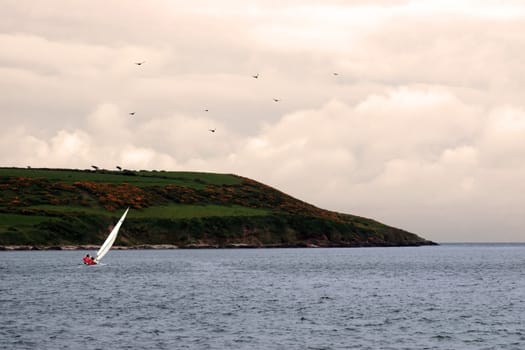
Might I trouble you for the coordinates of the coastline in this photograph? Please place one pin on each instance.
(211, 246)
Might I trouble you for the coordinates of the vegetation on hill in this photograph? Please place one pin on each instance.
(53, 207)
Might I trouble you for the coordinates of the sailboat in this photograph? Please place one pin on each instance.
(104, 249)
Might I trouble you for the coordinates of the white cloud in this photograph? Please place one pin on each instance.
(67, 147)
(460, 156)
(145, 158)
(502, 141)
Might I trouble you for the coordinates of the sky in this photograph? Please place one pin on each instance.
(422, 128)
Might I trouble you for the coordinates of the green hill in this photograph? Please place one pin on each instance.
(57, 207)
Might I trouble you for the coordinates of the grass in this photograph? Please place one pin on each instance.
(172, 211)
(7, 220)
(60, 209)
(189, 176)
(193, 211)
(138, 178)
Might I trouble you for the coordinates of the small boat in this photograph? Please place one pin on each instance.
(104, 249)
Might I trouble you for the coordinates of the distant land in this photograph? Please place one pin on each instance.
(75, 209)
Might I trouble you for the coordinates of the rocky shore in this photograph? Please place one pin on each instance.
(85, 247)
(211, 246)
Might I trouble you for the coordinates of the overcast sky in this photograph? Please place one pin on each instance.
(423, 128)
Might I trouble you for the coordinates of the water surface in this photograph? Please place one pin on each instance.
(446, 297)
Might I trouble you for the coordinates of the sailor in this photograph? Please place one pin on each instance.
(88, 260)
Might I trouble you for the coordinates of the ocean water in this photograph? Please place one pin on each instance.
(446, 297)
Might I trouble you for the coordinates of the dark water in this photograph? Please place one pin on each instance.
(447, 297)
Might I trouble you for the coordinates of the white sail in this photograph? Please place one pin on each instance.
(111, 239)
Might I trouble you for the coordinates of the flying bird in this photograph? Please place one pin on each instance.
(131, 113)
(335, 74)
(205, 110)
(94, 167)
(212, 130)
(276, 100)
(140, 63)
(119, 168)
(256, 76)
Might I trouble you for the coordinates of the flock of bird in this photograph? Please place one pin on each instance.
(256, 76)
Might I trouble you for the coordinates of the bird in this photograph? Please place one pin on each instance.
(140, 63)
(256, 76)
(205, 110)
(335, 74)
(94, 167)
(131, 113)
(212, 130)
(276, 100)
(119, 168)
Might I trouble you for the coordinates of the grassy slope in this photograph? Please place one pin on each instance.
(63, 206)
(137, 178)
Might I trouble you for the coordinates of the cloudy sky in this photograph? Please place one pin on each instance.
(423, 128)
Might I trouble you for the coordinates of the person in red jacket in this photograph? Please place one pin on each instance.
(88, 260)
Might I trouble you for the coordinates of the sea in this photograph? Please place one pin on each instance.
(452, 296)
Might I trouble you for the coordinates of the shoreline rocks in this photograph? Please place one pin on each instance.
(211, 246)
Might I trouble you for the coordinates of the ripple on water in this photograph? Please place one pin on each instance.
(447, 297)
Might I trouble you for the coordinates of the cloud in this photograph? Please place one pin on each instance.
(20, 148)
(145, 158)
(502, 141)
